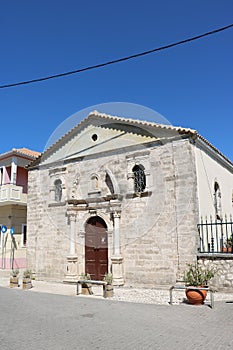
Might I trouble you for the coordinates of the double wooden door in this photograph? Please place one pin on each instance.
(96, 248)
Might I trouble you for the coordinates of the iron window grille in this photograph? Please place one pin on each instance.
(139, 178)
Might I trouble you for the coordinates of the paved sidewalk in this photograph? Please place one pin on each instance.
(32, 321)
(126, 294)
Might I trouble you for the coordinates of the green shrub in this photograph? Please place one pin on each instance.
(197, 275)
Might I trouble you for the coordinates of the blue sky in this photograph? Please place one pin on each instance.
(190, 85)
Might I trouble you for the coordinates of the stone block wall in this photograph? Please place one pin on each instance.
(223, 267)
(47, 244)
(158, 232)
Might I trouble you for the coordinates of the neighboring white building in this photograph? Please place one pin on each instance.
(125, 196)
(214, 180)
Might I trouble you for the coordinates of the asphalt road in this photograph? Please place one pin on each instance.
(47, 321)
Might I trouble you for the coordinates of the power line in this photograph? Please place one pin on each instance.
(117, 60)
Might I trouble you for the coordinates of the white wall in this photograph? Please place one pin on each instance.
(212, 167)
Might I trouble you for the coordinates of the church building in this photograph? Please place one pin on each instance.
(124, 196)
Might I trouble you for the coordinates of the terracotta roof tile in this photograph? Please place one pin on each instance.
(138, 122)
(27, 152)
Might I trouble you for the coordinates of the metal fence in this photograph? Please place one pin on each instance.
(216, 236)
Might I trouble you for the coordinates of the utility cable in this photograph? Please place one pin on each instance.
(117, 60)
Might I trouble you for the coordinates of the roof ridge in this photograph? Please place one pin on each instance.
(95, 113)
(137, 121)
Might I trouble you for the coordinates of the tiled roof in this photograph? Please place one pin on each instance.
(179, 129)
(23, 152)
(27, 152)
(136, 122)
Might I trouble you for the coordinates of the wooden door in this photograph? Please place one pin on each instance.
(96, 248)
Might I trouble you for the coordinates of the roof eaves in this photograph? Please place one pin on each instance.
(105, 116)
(27, 152)
(21, 153)
(209, 144)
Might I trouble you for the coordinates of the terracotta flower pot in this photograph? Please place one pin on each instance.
(196, 297)
(227, 249)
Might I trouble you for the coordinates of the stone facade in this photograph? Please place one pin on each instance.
(89, 173)
(223, 270)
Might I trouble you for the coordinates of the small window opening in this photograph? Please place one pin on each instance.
(217, 201)
(139, 178)
(109, 183)
(94, 137)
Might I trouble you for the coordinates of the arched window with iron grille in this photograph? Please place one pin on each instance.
(139, 178)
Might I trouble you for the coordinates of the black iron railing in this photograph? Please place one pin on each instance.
(216, 236)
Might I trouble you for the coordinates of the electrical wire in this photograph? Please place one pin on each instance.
(117, 60)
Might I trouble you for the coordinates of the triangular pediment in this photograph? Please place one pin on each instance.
(101, 133)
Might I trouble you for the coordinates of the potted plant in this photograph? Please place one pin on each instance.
(86, 287)
(27, 280)
(109, 287)
(228, 245)
(14, 278)
(198, 277)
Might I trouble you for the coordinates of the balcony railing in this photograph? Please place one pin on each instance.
(216, 236)
(10, 194)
